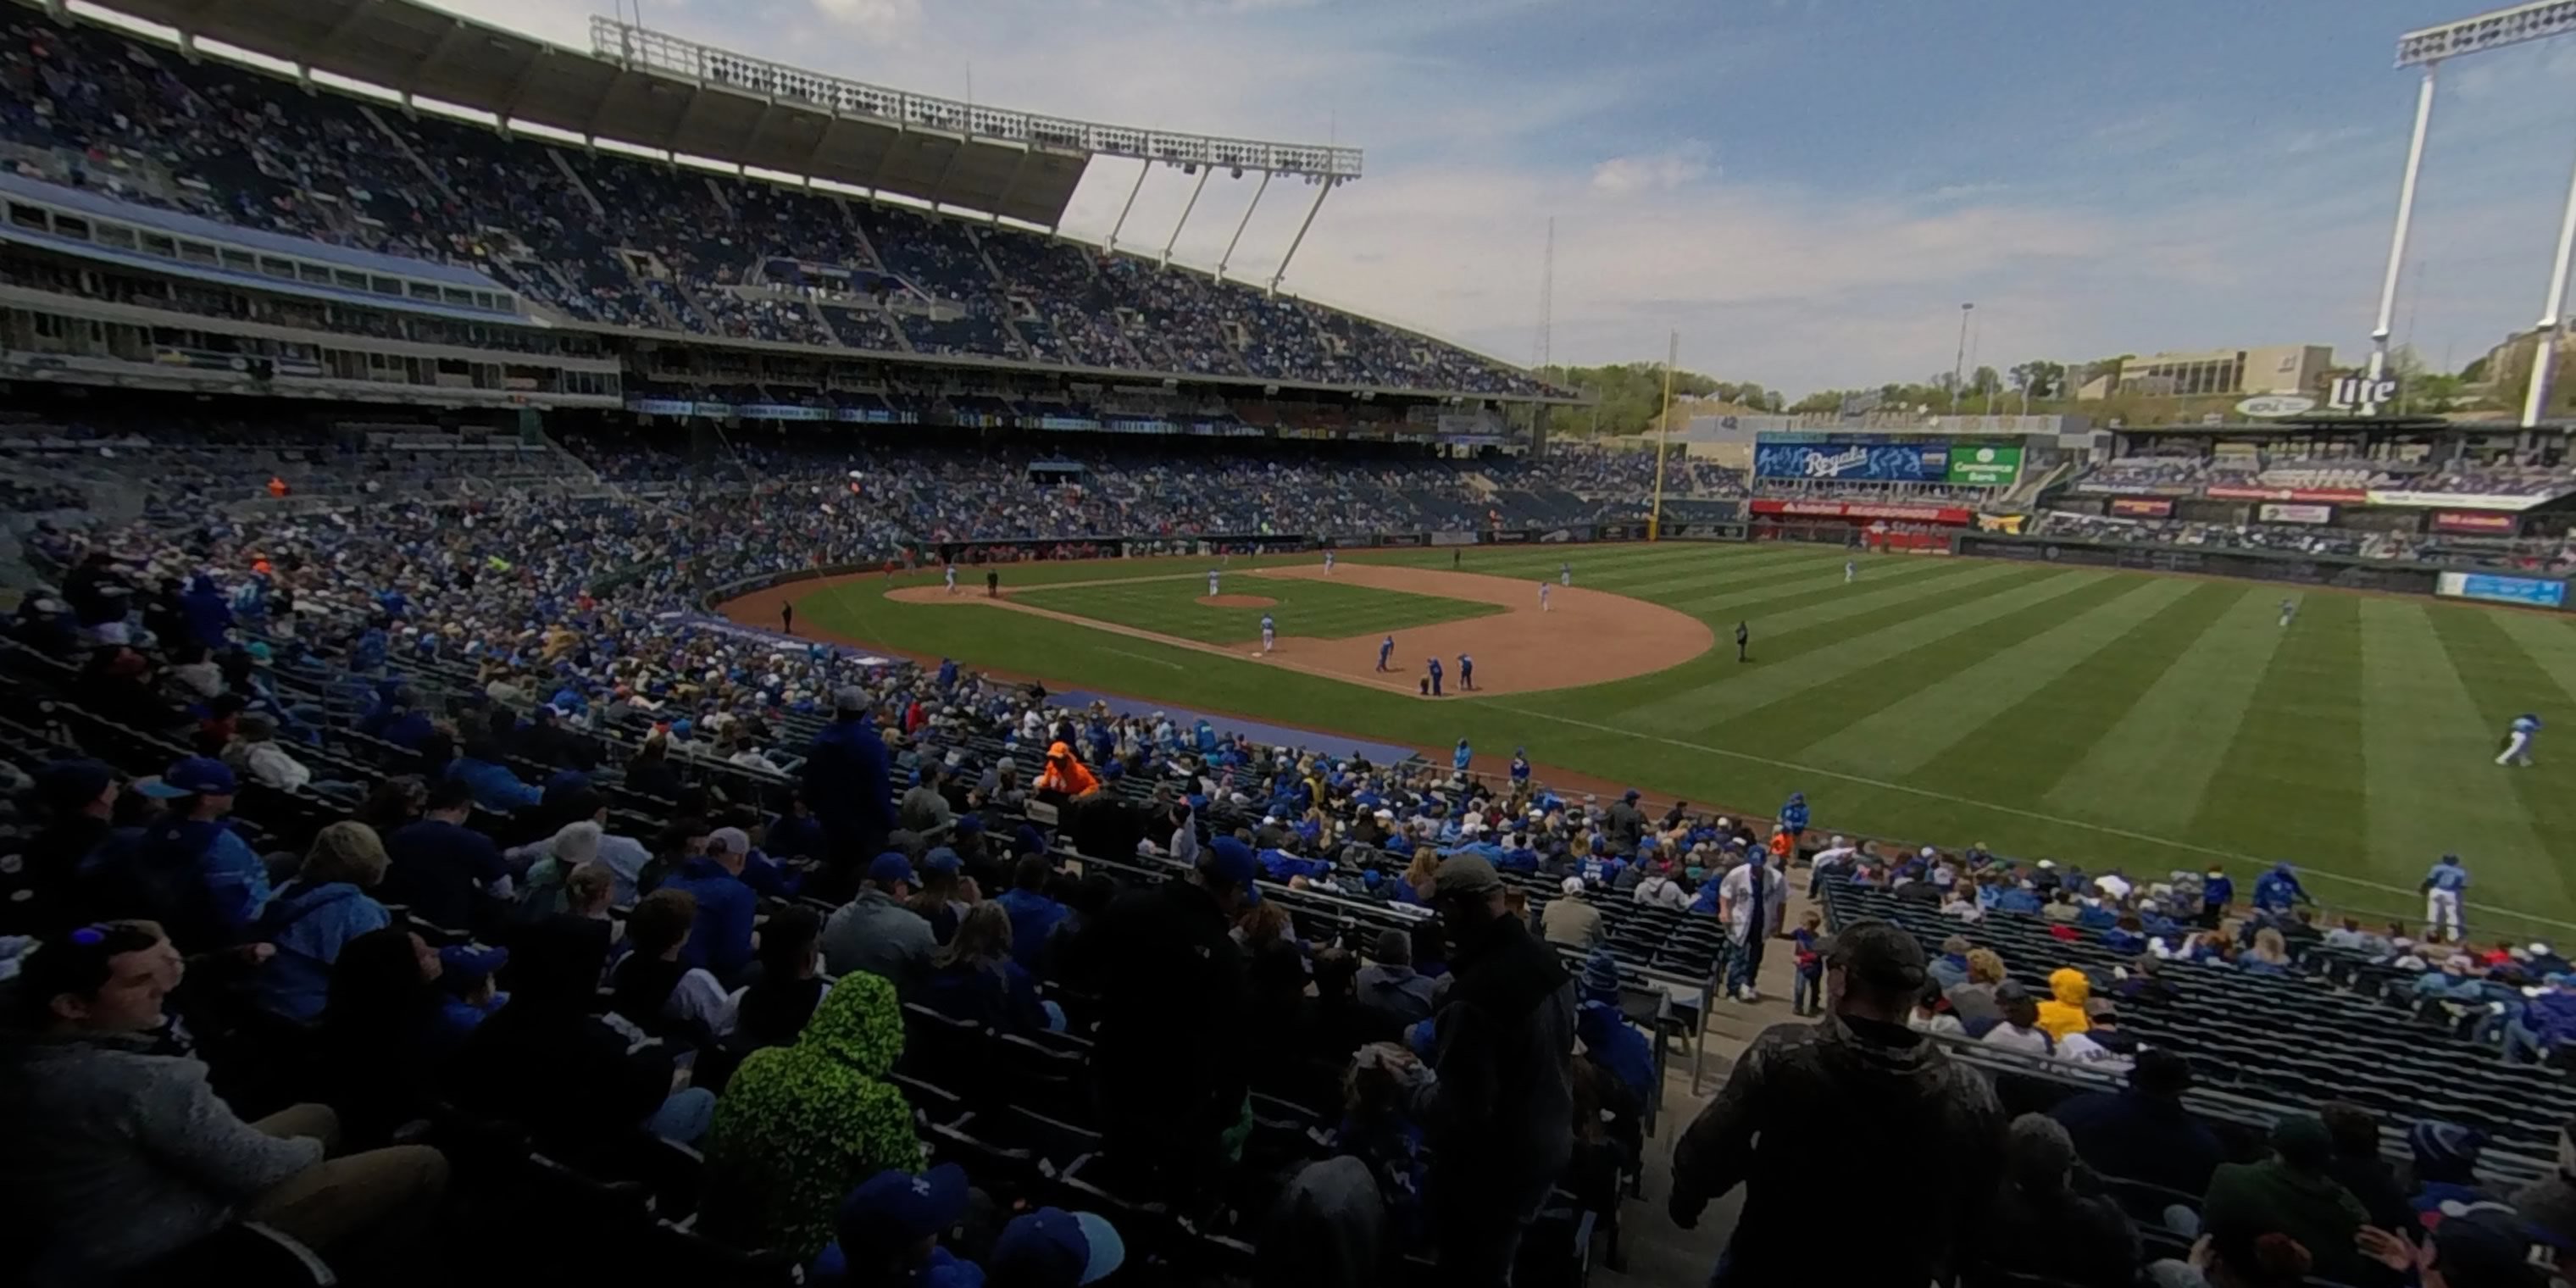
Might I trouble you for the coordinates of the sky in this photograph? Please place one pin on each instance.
(1804, 190)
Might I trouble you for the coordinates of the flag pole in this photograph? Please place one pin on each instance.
(1663, 437)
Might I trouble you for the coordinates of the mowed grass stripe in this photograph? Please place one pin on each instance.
(2503, 681)
(1743, 689)
(2428, 772)
(1903, 736)
(1590, 562)
(2149, 768)
(2550, 644)
(1802, 720)
(2290, 780)
(1827, 576)
(1675, 587)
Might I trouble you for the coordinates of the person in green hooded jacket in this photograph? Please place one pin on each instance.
(800, 1125)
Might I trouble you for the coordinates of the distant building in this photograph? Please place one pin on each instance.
(2271, 369)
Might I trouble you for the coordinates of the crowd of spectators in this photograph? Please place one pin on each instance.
(611, 238)
(2289, 538)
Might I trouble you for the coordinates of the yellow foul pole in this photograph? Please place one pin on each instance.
(1663, 437)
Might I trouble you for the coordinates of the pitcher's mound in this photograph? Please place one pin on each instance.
(1236, 601)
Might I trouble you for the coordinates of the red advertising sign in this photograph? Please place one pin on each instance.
(1863, 510)
(2325, 495)
(2472, 521)
(2135, 508)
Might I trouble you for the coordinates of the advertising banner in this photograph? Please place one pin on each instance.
(1703, 532)
(1508, 536)
(2142, 508)
(2295, 513)
(1617, 532)
(1553, 536)
(1856, 462)
(1453, 538)
(2325, 495)
(2469, 521)
(2544, 592)
(2451, 499)
(2008, 524)
(1985, 464)
(1864, 510)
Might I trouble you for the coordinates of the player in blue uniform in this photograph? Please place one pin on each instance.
(1328, 563)
(2518, 740)
(2443, 886)
(1385, 650)
(1466, 672)
(1269, 633)
(1520, 765)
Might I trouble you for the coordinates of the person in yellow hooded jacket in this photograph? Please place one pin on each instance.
(1067, 774)
(2063, 1014)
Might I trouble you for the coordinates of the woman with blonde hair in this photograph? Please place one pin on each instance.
(1973, 999)
(1418, 876)
(2270, 954)
(315, 915)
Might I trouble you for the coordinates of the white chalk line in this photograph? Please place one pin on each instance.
(1158, 661)
(2013, 810)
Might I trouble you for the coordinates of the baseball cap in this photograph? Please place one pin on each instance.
(1230, 862)
(1464, 874)
(891, 867)
(1053, 1248)
(193, 776)
(1572, 885)
(849, 698)
(1884, 958)
(2011, 990)
(893, 1209)
(730, 840)
(942, 859)
(68, 786)
(462, 966)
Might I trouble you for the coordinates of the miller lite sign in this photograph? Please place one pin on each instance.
(2352, 393)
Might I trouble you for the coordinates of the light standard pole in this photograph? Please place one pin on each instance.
(1959, 360)
(2397, 240)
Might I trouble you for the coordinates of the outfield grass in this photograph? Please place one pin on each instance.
(2151, 721)
(1168, 604)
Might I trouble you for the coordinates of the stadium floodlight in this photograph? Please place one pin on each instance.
(2426, 47)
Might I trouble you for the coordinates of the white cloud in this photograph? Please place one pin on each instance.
(876, 19)
(1673, 167)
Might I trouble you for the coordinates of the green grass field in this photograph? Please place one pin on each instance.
(2150, 721)
(1167, 604)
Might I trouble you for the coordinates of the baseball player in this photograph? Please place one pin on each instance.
(1385, 650)
(1851, 572)
(1211, 583)
(2289, 612)
(1565, 574)
(1269, 633)
(2518, 740)
(1543, 588)
(949, 575)
(2442, 888)
(1743, 640)
(1431, 669)
(1328, 563)
(1466, 672)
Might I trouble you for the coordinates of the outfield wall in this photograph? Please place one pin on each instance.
(2287, 567)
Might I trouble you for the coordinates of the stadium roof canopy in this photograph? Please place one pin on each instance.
(644, 88)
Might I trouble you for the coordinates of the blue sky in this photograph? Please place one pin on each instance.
(1805, 189)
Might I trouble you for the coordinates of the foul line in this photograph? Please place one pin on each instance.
(1158, 661)
(2033, 815)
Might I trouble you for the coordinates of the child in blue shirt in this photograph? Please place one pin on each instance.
(1807, 995)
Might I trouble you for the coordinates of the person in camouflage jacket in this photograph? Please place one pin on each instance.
(800, 1125)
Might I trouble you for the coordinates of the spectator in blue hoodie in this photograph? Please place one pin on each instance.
(1033, 915)
(400, 719)
(720, 939)
(1793, 818)
(495, 787)
(1608, 1039)
(316, 915)
(847, 782)
(2278, 890)
(186, 869)
(209, 617)
(1462, 757)
(2548, 1023)
(2216, 892)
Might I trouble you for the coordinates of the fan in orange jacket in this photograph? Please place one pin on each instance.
(1066, 774)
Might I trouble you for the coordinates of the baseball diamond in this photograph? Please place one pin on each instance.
(2158, 721)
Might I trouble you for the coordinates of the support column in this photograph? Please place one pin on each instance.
(1323, 190)
(2544, 350)
(1195, 190)
(2397, 239)
(1139, 186)
(1242, 224)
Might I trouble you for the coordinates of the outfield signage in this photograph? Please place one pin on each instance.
(2132, 507)
(2451, 500)
(1855, 462)
(1862, 510)
(2294, 513)
(2269, 405)
(1985, 464)
(2541, 591)
(2322, 495)
(2135, 489)
(2468, 521)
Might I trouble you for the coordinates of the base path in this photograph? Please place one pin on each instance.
(1582, 637)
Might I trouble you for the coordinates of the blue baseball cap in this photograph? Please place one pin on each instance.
(891, 867)
(194, 776)
(894, 1209)
(970, 825)
(1232, 863)
(942, 859)
(462, 966)
(1053, 1248)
